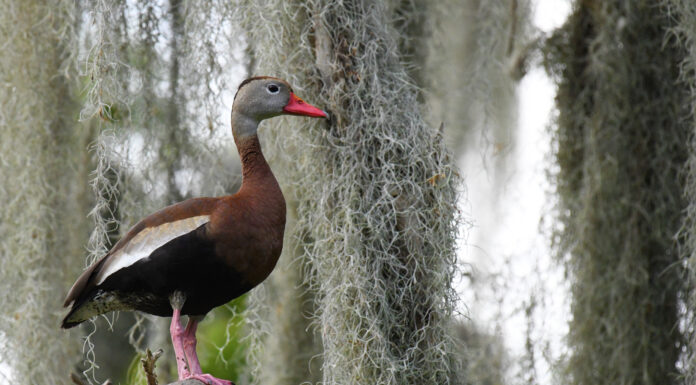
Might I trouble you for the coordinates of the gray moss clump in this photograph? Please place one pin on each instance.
(43, 161)
(376, 193)
(683, 33)
(476, 55)
(621, 143)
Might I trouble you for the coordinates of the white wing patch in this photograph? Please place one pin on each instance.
(147, 241)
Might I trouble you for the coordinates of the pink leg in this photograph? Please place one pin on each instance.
(184, 342)
(190, 346)
(178, 335)
(190, 350)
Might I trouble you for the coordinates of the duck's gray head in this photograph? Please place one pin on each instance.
(264, 97)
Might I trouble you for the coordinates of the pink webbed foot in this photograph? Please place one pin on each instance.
(209, 379)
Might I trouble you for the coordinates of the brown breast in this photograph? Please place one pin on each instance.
(248, 228)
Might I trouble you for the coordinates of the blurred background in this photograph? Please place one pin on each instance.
(504, 194)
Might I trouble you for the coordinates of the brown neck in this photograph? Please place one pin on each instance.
(260, 188)
(254, 165)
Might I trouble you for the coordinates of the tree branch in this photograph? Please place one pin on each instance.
(149, 365)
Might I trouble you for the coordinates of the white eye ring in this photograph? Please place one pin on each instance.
(272, 89)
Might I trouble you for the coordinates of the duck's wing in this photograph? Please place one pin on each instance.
(145, 237)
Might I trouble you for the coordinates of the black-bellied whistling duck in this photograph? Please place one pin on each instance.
(201, 253)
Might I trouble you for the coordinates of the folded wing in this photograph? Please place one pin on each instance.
(139, 243)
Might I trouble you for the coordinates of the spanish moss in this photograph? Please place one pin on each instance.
(376, 195)
(621, 140)
(43, 158)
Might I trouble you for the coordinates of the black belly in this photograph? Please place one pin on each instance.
(187, 264)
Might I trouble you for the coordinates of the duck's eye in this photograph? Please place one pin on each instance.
(272, 88)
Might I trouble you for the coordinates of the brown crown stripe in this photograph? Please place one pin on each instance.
(246, 81)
